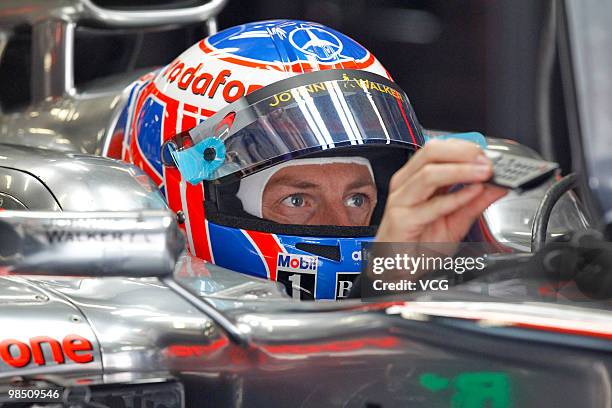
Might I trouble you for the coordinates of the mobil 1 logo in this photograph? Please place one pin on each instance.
(344, 283)
(298, 273)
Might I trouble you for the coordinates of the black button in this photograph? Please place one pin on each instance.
(209, 154)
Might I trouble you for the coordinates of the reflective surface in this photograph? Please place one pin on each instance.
(509, 220)
(213, 282)
(144, 243)
(359, 353)
(29, 312)
(122, 18)
(21, 190)
(132, 328)
(82, 182)
(340, 354)
(62, 117)
(77, 122)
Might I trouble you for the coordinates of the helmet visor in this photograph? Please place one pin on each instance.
(297, 116)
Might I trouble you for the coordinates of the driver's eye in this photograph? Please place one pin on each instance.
(294, 200)
(356, 200)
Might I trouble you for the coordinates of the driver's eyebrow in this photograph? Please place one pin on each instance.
(360, 183)
(289, 181)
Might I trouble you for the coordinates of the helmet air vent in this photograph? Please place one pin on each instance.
(331, 252)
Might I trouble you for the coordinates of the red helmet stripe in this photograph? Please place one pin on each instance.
(207, 112)
(172, 178)
(191, 108)
(204, 47)
(267, 245)
(189, 121)
(195, 205)
(191, 201)
(297, 67)
(264, 262)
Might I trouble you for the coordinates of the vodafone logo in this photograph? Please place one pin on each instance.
(199, 82)
(18, 354)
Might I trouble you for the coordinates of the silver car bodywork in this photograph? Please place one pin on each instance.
(214, 337)
(227, 339)
(61, 116)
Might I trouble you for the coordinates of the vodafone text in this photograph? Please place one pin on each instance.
(200, 82)
(19, 354)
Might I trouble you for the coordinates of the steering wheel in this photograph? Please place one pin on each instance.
(542, 215)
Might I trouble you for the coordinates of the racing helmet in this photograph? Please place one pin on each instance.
(253, 98)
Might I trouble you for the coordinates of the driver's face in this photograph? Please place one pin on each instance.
(341, 194)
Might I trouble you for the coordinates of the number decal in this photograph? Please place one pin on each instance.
(299, 274)
(295, 285)
(344, 283)
(299, 285)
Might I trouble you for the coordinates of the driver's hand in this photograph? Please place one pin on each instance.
(420, 207)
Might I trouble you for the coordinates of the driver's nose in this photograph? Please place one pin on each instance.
(333, 213)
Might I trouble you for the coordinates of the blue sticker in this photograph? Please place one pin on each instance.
(474, 137)
(191, 162)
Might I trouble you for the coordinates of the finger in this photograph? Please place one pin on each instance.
(463, 218)
(432, 177)
(439, 151)
(442, 190)
(445, 204)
